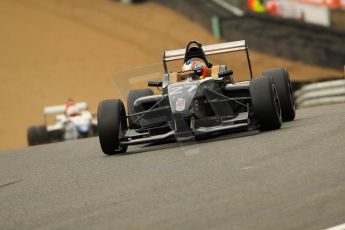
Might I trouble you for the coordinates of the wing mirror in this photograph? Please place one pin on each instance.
(225, 74)
(155, 83)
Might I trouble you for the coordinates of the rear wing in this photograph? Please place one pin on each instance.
(61, 108)
(220, 48)
(226, 47)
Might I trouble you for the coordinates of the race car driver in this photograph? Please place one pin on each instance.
(193, 69)
(71, 111)
(71, 108)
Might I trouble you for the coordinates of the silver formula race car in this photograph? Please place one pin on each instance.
(192, 108)
(58, 126)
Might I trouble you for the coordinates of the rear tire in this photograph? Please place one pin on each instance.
(132, 96)
(38, 135)
(265, 102)
(112, 126)
(280, 77)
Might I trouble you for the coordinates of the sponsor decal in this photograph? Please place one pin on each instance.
(180, 104)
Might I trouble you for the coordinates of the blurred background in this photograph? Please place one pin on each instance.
(51, 50)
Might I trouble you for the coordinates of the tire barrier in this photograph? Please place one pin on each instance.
(322, 93)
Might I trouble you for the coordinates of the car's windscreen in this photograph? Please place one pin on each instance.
(236, 61)
(138, 78)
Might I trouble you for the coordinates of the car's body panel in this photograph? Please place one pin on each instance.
(191, 107)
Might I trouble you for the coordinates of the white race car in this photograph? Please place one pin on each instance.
(59, 126)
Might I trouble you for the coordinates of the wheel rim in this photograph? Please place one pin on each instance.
(291, 94)
(122, 130)
(277, 103)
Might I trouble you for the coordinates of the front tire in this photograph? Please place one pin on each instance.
(265, 102)
(38, 135)
(112, 126)
(280, 77)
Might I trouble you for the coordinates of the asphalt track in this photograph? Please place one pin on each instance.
(292, 178)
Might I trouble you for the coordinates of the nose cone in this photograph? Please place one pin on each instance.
(181, 96)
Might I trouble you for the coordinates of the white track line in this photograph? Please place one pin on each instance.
(338, 227)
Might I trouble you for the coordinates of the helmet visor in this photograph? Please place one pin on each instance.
(190, 74)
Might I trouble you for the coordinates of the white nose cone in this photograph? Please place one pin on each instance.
(71, 131)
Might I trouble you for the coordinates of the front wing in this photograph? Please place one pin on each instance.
(239, 123)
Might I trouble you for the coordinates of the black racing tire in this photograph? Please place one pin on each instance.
(265, 102)
(132, 96)
(38, 135)
(280, 77)
(112, 125)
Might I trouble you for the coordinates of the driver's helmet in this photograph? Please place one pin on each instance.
(194, 68)
(71, 108)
